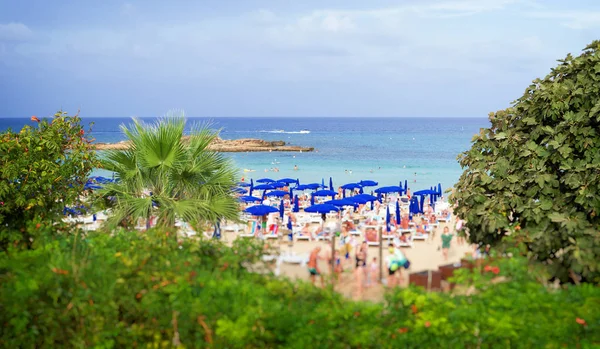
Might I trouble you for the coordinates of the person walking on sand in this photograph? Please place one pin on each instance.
(446, 238)
(313, 266)
(361, 267)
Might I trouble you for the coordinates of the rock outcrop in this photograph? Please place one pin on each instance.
(227, 145)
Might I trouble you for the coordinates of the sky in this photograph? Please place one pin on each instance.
(411, 58)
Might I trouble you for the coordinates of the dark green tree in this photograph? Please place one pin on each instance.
(43, 168)
(533, 177)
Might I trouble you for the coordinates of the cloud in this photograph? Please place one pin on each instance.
(571, 19)
(15, 32)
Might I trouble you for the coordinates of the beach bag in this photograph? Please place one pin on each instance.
(459, 225)
(406, 264)
(395, 265)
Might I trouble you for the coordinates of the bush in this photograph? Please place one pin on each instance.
(534, 174)
(129, 290)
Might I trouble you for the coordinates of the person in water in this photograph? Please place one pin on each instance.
(295, 167)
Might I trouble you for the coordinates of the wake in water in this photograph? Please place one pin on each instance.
(283, 131)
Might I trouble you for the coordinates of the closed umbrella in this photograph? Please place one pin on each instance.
(406, 186)
(296, 204)
(414, 205)
(387, 219)
(398, 218)
(422, 208)
(330, 183)
(281, 209)
(251, 187)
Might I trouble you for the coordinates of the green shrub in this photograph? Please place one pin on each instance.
(127, 290)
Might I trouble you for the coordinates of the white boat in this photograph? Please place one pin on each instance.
(304, 131)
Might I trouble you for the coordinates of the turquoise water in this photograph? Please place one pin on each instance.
(388, 150)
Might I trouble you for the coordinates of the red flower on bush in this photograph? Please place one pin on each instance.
(495, 270)
(81, 132)
(427, 323)
(37, 226)
(34, 118)
(414, 309)
(487, 268)
(403, 330)
(581, 321)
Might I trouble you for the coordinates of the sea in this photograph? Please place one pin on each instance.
(422, 151)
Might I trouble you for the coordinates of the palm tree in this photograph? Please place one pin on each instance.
(165, 174)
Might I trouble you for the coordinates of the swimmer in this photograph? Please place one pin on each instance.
(295, 167)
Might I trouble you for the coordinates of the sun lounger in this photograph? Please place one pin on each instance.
(421, 236)
(250, 232)
(445, 219)
(273, 234)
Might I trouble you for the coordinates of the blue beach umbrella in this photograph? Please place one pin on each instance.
(264, 180)
(250, 199)
(312, 199)
(260, 210)
(321, 208)
(296, 204)
(388, 219)
(239, 190)
(323, 183)
(302, 187)
(398, 218)
(424, 192)
(341, 203)
(357, 199)
(287, 180)
(406, 186)
(278, 184)
(422, 207)
(324, 192)
(291, 193)
(264, 187)
(251, 187)
(350, 186)
(368, 183)
(387, 190)
(281, 209)
(330, 183)
(439, 189)
(277, 193)
(243, 184)
(313, 186)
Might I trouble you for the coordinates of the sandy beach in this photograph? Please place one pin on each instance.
(424, 255)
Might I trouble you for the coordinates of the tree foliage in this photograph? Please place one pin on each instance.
(534, 175)
(125, 290)
(43, 168)
(168, 175)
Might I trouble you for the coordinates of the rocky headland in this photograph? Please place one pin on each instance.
(228, 146)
